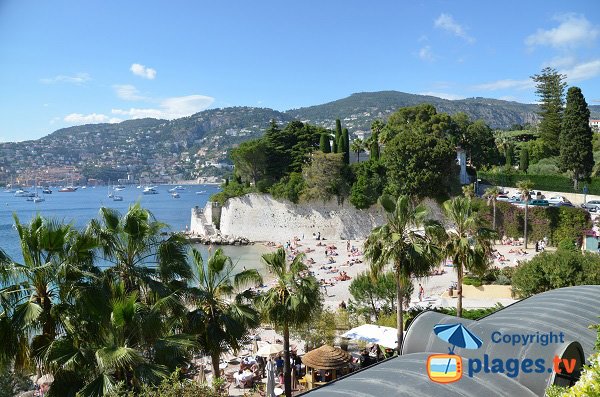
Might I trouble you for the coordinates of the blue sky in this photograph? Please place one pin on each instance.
(74, 62)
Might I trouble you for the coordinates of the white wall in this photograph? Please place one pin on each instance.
(259, 217)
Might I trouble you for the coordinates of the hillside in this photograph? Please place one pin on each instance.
(162, 150)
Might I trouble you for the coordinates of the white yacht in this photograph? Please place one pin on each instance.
(150, 190)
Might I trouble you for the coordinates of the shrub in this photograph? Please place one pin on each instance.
(172, 386)
(474, 281)
(289, 187)
(555, 223)
(553, 183)
(231, 189)
(563, 268)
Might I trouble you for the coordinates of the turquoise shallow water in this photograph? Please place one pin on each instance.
(81, 206)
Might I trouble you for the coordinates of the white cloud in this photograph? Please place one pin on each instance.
(447, 22)
(443, 95)
(505, 84)
(170, 108)
(426, 54)
(143, 71)
(128, 92)
(79, 78)
(583, 71)
(78, 118)
(573, 30)
(561, 62)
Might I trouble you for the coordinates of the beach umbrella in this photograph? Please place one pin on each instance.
(269, 349)
(457, 335)
(270, 391)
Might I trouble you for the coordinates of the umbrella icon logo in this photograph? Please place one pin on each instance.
(447, 368)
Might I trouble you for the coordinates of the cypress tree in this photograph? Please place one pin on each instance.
(374, 149)
(509, 155)
(346, 141)
(550, 87)
(338, 134)
(325, 144)
(334, 147)
(576, 154)
(524, 160)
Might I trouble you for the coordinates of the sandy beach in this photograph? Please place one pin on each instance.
(329, 259)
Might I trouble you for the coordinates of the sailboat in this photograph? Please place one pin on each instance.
(37, 198)
(68, 189)
(110, 193)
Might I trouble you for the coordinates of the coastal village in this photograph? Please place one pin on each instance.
(310, 199)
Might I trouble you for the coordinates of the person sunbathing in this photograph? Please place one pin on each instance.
(330, 260)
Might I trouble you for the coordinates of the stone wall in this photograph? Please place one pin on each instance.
(259, 217)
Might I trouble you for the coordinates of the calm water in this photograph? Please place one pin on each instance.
(81, 206)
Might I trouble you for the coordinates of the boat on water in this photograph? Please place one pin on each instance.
(84, 187)
(201, 192)
(150, 190)
(46, 190)
(67, 189)
(118, 188)
(179, 188)
(175, 195)
(24, 193)
(38, 199)
(117, 198)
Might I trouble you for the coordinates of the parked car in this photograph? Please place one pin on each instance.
(558, 199)
(592, 205)
(539, 203)
(563, 204)
(503, 197)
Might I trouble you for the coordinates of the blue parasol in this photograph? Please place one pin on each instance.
(457, 335)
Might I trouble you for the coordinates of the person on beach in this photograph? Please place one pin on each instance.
(348, 246)
(421, 293)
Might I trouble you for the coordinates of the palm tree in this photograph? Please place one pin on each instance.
(111, 337)
(292, 302)
(140, 254)
(357, 146)
(222, 314)
(469, 247)
(400, 244)
(468, 191)
(56, 258)
(525, 187)
(491, 194)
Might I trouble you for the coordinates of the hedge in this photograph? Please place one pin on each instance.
(555, 223)
(553, 183)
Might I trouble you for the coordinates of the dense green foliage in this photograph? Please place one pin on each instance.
(555, 223)
(524, 160)
(576, 138)
(553, 183)
(125, 327)
(550, 86)
(371, 297)
(369, 184)
(290, 187)
(419, 155)
(172, 386)
(325, 143)
(563, 268)
(325, 177)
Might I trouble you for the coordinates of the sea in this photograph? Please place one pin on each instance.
(79, 207)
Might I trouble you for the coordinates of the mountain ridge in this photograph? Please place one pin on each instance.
(198, 144)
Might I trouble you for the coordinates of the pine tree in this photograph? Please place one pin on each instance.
(338, 134)
(524, 160)
(346, 141)
(325, 144)
(550, 87)
(576, 154)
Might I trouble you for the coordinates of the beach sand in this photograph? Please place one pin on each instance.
(435, 286)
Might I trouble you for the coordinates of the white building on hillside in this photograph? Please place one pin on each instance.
(595, 124)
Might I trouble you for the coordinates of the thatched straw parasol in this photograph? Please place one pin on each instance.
(327, 357)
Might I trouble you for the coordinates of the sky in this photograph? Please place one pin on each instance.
(72, 62)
